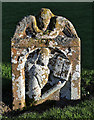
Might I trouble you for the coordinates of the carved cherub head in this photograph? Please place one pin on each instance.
(44, 18)
(43, 56)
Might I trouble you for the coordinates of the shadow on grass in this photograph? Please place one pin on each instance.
(7, 92)
(43, 107)
(87, 76)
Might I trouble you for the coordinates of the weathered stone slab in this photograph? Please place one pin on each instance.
(45, 50)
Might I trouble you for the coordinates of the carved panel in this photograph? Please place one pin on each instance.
(45, 57)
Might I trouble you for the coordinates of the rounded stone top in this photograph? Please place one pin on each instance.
(43, 30)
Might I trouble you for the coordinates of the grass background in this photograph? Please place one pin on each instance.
(80, 14)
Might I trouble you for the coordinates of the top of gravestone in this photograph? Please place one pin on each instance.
(45, 30)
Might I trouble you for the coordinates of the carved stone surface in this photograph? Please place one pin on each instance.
(38, 73)
(45, 52)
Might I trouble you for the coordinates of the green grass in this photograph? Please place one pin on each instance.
(83, 110)
(80, 14)
(6, 71)
(87, 82)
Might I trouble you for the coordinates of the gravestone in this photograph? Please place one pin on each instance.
(45, 57)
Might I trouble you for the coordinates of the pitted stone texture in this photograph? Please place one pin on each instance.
(44, 66)
(38, 74)
(45, 49)
(60, 67)
(44, 26)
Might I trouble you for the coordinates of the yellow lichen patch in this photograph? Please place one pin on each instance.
(15, 94)
(76, 84)
(45, 78)
(44, 18)
(35, 27)
(14, 51)
(23, 74)
(22, 102)
(15, 71)
(44, 52)
(61, 33)
(74, 63)
(58, 26)
(18, 104)
(45, 11)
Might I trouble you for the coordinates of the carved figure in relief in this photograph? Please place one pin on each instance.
(50, 48)
(46, 65)
(38, 74)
